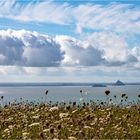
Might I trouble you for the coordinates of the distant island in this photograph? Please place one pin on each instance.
(99, 85)
(119, 83)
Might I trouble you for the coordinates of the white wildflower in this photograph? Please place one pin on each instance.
(55, 108)
(9, 119)
(74, 111)
(46, 130)
(6, 130)
(128, 107)
(25, 134)
(101, 128)
(34, 124)
(62, 115)
(93, 123)
(108, 109)
(10, 127)
(55, 139)
(36, 117)
(72, 138)
(81, 99)
(87, 127)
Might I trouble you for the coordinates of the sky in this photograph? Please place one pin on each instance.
(69, 40)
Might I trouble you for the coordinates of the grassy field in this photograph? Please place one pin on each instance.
(87, 121)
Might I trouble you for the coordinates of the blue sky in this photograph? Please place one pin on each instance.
(69, 40)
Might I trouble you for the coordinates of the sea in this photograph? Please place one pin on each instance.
(67, 92)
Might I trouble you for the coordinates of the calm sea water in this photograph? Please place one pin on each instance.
(67, 93)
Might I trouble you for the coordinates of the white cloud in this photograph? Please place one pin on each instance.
(105, 45)
(25, 48)
(114, 46)
(79, 53)
(116, 17)
(44, 11)
(68, 74)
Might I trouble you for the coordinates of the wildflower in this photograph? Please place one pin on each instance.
(87, 127)
(108, 109)
(72, 138)
(46, 92)
(107, 92)
(9, 119)
(93, 123)
(36, 117)
(6, 130)
(25, 134)
(101, 128)
(123, 95)
(55, 108)
(68, 107)
(10, 127)
(128, 107)
(81, 99)
(46, 130)
(88, 117)
(34, 124)
(51, 130)
(62, 115)
(74, 103)
(74, 111)
(59, 126)
(2, 97)
(41, 135)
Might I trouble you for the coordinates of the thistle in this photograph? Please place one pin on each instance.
(107, 92)
(46, 93)
(2, 100)
(123, 95)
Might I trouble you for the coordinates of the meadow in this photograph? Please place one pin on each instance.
(87, 120)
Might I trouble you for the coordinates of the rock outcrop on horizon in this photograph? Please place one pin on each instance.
(119, 83)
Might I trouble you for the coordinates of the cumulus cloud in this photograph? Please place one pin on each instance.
(26, 48)
(115, 48)
(31, 49)
(11, 49)
(79, 53)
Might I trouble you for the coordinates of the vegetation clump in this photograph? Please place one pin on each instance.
(87, 121)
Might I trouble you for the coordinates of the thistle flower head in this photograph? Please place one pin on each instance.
(46, 92)
(107, 92)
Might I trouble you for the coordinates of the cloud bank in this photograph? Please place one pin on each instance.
(31, 49)
(118, 17)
